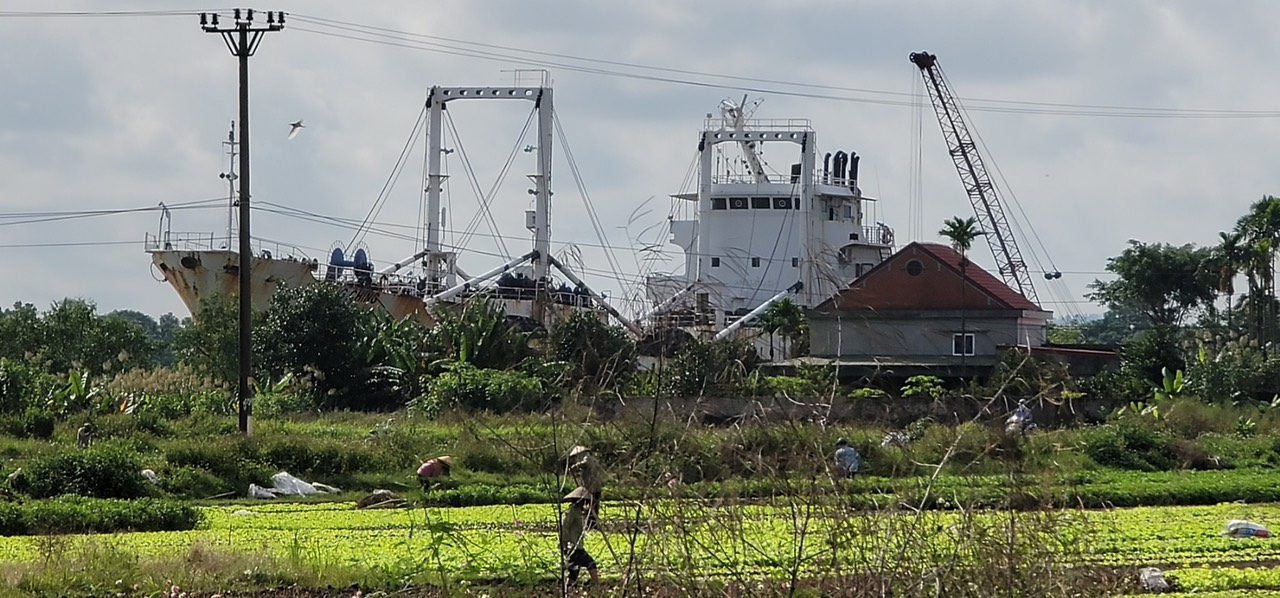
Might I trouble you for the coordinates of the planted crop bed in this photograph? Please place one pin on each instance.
(519, 542)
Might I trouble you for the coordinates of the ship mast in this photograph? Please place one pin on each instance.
(230, 176)
(735, 116)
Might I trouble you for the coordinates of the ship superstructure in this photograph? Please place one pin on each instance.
(760, 236)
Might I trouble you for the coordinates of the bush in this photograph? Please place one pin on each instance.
(1126, 445)
(98, 472)
(474, 389)
(38, 424)
(79, 515)
(195, 483)
(234, 461)
(312, 457)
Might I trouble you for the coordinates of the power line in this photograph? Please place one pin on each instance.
(423, 42)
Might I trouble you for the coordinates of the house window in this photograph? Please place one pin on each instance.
(718, 203)
(962, 344)
(914, 267)
(715, 262)
(759, 203)
(755, 262)
(795, 262)
(738, 203)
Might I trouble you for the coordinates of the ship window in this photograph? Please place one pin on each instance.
(914, 267)
(759, 203)
(715, 262)
(795, 262)
(737, 203)
(865, 267)
(782, 203)
(755, 262)
(795, 201)
(962, 344)
(848, 212)
(717, 203)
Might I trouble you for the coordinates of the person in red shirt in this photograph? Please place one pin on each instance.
(434, 468)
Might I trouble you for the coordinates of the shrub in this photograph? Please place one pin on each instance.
(474, 389)
(99, 472)
(196, 483)
(1126, 445)
(78, 515)
(38, 423)
(305, 456)
(234, 461)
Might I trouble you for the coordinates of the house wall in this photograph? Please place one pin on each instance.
(924, 334)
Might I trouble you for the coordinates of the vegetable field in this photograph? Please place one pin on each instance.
(518, 543)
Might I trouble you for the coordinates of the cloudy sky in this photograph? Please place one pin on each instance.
(1107, 121)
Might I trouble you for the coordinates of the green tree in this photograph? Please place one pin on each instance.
(1164, 283)
(315, 330)
(210, 342)
(75, 337)
(787, 318)
(601, 355)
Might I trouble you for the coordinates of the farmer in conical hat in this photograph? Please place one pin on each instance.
(585, 470)
(434, 468)
(573, 532)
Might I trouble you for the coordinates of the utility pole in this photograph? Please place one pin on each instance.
(242, 37)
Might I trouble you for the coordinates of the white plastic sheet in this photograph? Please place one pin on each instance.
(1240, 528)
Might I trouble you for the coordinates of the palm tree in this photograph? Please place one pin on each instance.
(962, 232)
(1259, 230)
(1232, 255)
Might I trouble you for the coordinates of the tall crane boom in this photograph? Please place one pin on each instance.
(982, 194)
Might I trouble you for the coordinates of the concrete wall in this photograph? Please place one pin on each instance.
(911, 333)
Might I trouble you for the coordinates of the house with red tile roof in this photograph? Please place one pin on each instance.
(914, 313)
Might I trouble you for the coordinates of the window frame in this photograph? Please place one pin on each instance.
(970, 342)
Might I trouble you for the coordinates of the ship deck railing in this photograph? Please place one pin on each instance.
(717, 123)
(205, 241)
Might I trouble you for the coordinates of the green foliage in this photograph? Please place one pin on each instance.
(22, 386)
(102, 471)
(962, 232)
(922, 387)
(79, 393)
(705, 367)
(868, 392)
(473, 389)
(195, 483)
(1125, 445)
(72, 335)
(314, 330)
(1163, 282)
(601, 355)
(480, 336)
(1232, 370)
(210, 342)
(81, 515)
(787, 318)
(792, 386)
(235, 461)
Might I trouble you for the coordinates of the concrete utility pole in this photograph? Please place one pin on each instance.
(242, 37)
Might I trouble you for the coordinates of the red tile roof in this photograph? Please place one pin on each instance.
(977, 276)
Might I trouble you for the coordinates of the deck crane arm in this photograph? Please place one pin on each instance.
(982, 194)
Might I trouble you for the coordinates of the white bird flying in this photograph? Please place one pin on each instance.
(294, 128)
